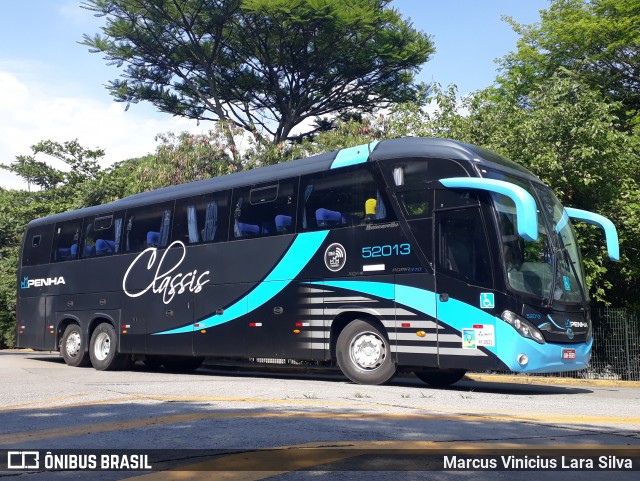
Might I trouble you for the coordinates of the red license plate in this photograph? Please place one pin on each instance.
(568, 354)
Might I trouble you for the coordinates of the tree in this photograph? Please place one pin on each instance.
(597, 39)
(82, 164)
(179, 159)
(265, 66)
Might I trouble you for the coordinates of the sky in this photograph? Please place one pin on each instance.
(52, 88)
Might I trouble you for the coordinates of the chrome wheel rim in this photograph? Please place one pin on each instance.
(102, 346)
(73, 344)
(367, 351)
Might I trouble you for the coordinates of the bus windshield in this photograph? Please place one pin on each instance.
(550, 267)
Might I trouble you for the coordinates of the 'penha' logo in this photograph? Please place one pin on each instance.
(43, 282)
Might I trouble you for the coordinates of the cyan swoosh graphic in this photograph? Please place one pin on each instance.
(460, 315)
(297, 257)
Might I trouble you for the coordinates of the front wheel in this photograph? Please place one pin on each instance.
(363, 353)
(72, 347)
(441, 377)
(103, 349)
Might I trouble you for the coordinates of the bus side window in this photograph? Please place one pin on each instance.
(66, 240)
(203, 218)
(37, 247)
(102, 235)
(347, 197)
(148, 226)
(463, 249)
(264, 209)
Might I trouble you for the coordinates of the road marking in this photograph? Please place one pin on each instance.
(70, 431)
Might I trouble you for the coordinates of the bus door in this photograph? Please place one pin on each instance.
(414, 277)
(464, 281)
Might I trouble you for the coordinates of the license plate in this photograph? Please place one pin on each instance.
(568, 354)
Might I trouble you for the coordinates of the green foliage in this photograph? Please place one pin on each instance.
(583, 133)
(262, 65)
(597, 39)
(180, 159)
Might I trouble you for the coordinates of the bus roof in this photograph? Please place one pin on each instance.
(408, 147)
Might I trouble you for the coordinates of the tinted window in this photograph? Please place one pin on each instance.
(264, 210)
(416, 203)
(420, 171)
(66, 239)
(203, 218)
(148, 226)
(37, 246)
(463, 249)
(447, 199)
(102, 235)
(343, 198)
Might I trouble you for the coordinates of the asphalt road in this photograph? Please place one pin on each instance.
(223, 424)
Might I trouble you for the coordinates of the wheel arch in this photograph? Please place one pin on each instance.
(65, 321)
(101, 318)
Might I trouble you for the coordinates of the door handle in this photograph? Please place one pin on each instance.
(444, 297)
(168, 313)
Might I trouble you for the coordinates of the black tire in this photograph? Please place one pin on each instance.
(103, 349)
(441, 377)
(72, 347)
(363, 353)
(180, 364)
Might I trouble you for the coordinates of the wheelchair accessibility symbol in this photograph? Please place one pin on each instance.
(487, 301)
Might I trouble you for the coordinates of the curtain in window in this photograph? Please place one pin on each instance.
(118, 233)
(192, 224)
(210, 221)
(307, 194)
(165, 228)
(381, 210)
(398, 175)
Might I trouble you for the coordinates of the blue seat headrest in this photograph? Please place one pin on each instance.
(153, 238)
(248, 229)
(105, 246)
(328, 215)
(283, 221)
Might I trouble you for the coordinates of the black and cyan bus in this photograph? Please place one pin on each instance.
(414, 254)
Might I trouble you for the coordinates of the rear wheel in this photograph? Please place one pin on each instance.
(441, 377)
(363, 353)
(72, 347)
(103, 349)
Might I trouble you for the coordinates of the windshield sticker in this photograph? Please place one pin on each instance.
(469, 339)
(481, 335)
(567, 283)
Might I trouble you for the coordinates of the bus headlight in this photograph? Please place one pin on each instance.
(524, 327)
